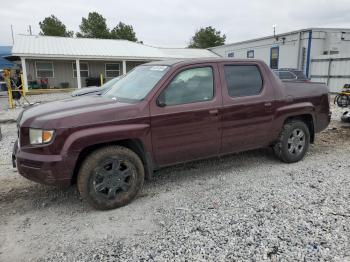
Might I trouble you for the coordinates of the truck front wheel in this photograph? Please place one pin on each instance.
(110, 177)
(293, 142)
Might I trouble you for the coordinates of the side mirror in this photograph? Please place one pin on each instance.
(160, 101)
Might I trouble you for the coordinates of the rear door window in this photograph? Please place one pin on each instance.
(243, 80)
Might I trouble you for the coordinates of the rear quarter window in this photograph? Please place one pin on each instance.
(243, 80)
(300, 75)
(285, 75)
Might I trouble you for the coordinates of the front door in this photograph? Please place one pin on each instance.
(248, 107)
(185, 116)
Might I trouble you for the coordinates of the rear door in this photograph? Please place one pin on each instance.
(185, 121)
(248, 106)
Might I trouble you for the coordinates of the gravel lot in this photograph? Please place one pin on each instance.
(246, 206)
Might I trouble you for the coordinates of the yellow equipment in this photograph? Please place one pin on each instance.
(101, 79)
(7, 78)
(342, 99)
(9, 83)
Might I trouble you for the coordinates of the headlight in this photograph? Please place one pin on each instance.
(39, 136)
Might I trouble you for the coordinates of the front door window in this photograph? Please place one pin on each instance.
(189, 86)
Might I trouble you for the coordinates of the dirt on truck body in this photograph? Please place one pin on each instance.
(161, 114)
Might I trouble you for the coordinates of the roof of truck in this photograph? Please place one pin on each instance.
(172, 62)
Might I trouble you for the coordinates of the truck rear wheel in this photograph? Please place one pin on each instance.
(293, 142)
(110, 177)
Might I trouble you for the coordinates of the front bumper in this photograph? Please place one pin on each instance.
(44, 169)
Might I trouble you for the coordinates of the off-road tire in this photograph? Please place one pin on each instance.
(281, 147)
(345, 117)
(342, 100)
(87, 174)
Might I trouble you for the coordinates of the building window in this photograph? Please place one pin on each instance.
(231, 54)
(303, 59)
(84, 70)
(112, 70)
(44, 69)
(274, 57)
(243, 80)
(250, 54)
(332, 52)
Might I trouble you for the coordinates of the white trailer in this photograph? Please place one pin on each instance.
(296, 49)
(332, 70)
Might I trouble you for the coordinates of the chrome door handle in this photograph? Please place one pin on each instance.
(268, 107)
(213, 112)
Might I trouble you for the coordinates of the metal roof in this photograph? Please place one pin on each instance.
(280, 35)
(5, 63)
(5, 51)
(91, 48)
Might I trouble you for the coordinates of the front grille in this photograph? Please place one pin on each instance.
(31, 163)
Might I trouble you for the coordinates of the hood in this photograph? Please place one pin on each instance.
(88, 91)
(77, 111)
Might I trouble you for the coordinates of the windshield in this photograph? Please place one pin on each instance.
(137, 84)
(111, 82)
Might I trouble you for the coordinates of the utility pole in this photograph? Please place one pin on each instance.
(30, 29)
(13, 39)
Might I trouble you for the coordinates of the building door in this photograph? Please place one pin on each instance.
(274, 57)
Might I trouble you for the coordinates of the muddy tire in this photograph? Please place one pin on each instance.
(110, 177)
(293, 142)
(345, 117)
(342, 100)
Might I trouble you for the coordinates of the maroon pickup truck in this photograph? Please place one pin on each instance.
(163, 113)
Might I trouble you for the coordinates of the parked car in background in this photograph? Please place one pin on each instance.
(95, 90)
(163, 113)
(290, 74)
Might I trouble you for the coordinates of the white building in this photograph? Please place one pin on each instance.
(68, 62)
(319, 52)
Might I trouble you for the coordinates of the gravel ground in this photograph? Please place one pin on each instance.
(243, 207)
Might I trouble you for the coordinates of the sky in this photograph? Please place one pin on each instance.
(172, 23)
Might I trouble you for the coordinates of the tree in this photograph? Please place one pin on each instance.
(94, 26)
(52, 26)
(207, 37)
(124, 31)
